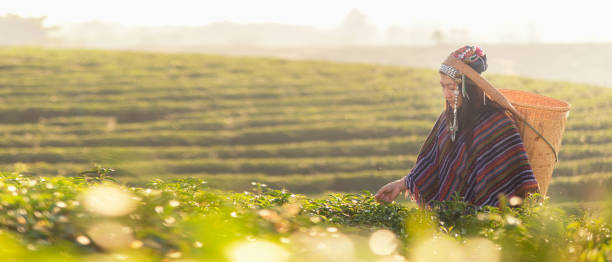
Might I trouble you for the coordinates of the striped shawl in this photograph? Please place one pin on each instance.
(496, 163)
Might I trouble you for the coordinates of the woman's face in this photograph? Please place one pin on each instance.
(449, 87)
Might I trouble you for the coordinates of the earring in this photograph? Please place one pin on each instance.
(453, 128)
(484, 98)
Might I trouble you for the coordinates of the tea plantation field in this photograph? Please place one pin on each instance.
(307, 126)
(213, 155)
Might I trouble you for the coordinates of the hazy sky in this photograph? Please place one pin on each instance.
(565, 21)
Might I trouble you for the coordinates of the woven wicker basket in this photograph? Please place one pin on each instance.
(548, 116)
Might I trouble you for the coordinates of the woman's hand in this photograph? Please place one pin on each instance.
(389, 192)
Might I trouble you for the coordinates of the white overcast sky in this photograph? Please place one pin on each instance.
(559, 20)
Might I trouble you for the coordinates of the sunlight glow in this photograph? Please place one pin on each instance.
(551, 26)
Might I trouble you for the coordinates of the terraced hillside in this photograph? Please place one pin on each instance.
(306, 125)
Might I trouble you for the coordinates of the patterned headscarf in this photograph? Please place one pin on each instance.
(473, 56)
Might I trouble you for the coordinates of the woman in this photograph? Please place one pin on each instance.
(474, 149)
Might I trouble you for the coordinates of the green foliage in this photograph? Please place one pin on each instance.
(186, 219)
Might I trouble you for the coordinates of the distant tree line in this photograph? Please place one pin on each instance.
(16, 30)
(355, 30)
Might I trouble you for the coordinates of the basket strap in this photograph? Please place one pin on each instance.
(483, 84)
(493, 93)
(545, 140)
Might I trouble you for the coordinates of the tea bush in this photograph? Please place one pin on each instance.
(93, 217)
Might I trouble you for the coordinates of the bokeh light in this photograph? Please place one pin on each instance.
(481, 249)
(512, 220)
(257, 251)
(118, 257)
(322, 245)
(111, 235)
(383, 242)
(109, 201)
(83, 240)
(515, 201)
(290, 210)
(136, 244)
(438, 250)
(394, 258)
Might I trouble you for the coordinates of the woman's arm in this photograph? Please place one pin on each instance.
(426, 164)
